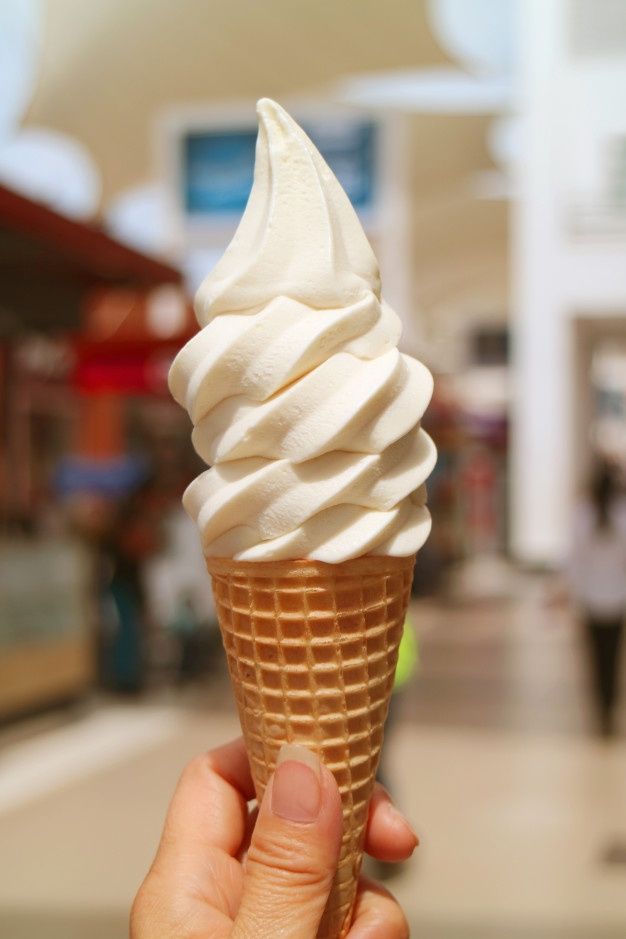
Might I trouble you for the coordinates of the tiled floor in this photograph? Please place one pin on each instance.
(490, 755)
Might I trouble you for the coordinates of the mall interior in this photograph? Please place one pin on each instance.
(483, 144)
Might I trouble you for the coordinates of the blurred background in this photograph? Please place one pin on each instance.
(483, 143)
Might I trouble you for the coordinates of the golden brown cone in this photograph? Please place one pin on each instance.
(312, 651)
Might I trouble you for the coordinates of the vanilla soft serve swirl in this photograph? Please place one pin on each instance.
(301, 403)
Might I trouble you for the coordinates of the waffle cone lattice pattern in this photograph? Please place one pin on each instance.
(312, 651)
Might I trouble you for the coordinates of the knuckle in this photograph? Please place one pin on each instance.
(381, 911)
(197, 767)
(403, 926)
(158, 912)
(142, 913)
(395, 922)
(283, 860)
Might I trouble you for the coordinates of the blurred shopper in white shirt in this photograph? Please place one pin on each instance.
(597, 575)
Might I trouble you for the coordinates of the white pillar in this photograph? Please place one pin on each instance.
(541, 447)
(395, 231)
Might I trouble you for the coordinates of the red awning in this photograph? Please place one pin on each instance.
(48, 261)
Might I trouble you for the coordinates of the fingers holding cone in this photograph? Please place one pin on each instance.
(289, 850)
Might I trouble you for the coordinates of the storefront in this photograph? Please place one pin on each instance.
(85, 322)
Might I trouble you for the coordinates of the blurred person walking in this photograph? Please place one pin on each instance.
(129, 534)
(597, 576)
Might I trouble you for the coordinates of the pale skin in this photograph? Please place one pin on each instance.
(223, 871)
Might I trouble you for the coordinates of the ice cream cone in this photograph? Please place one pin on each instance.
(312, 651)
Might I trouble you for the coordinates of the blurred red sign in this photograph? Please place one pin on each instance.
(139, 370)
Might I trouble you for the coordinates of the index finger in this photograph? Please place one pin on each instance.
(209, 807)
(230, 761)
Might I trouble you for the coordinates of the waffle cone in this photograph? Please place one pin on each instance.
(312, 651)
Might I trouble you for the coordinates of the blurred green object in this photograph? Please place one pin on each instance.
(408, 655)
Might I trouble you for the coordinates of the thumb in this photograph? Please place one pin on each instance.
(293, 852)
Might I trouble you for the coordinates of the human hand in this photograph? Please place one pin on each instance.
(222, 872)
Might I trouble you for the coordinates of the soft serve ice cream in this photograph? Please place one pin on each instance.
(301, 403)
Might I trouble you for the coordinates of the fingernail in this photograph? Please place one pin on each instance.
(296, 787)
(399, 819)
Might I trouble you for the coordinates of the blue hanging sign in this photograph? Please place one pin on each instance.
(217, 165)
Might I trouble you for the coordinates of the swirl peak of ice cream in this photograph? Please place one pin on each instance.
(299, 236)
(301, 403)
